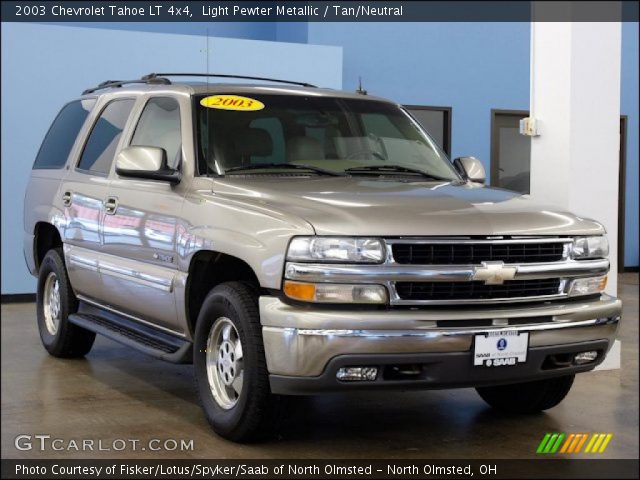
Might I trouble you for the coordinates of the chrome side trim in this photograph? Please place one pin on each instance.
(83, 262)
(97, 265)
(145, 279)
(367, 273)
(130, 317)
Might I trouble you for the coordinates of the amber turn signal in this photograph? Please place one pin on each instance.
(300, 291)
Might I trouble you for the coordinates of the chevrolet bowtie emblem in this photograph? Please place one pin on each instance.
(493, 273)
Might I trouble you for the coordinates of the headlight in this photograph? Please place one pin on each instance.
(336, 249)
(587, 286)
(590, 247)
(335, 293)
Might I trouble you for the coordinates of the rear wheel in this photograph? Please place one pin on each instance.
(529, 397)
(230, 367)
(55, 302)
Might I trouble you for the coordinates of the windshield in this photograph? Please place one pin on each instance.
(257, 134)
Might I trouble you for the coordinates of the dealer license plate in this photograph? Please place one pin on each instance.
(500, 348)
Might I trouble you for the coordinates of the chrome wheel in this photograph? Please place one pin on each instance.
(225, 369)
(51, 303)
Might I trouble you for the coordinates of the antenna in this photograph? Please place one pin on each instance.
(209, 149)
(360, 90)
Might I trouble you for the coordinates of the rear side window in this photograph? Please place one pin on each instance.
(59, 140)
(100, 148)
(159, 126)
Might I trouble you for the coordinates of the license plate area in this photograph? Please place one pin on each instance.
(500, 348)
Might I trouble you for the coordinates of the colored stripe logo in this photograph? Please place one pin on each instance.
(574, 443)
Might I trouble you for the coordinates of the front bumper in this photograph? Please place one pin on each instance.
(304, 346)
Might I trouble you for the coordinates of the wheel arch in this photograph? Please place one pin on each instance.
(46, 237)
(208, 269)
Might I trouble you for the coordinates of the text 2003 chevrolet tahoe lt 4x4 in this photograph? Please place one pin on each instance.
(294, 240)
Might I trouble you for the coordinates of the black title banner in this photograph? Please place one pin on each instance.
(316, 11)
(319, 469)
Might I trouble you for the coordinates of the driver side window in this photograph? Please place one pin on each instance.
(159, 126)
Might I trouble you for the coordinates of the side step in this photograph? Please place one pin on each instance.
(133, 334)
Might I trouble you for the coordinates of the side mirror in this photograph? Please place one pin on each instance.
(471, 169)
(146, 162)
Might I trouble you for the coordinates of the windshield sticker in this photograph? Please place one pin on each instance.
(232, 102)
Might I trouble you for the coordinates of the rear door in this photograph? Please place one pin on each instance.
(83, 193)
(43, 201)
(140, 271)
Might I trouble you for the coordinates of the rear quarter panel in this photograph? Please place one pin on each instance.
(41, 204)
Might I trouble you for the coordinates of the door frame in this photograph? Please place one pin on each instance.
(622, 190)
(493, 161)
(448, 114)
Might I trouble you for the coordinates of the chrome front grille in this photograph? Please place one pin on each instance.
(476, 253)
(459, 271)
(453, 291)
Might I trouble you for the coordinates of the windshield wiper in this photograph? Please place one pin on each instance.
(293, 166)
(382, 169)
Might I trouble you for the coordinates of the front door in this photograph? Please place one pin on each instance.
(140, 268)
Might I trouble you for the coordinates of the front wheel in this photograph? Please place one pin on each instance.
(230, 367)
(529, 397)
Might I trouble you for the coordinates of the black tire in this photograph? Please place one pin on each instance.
(530, 397)
(256, 411)
(66, 340)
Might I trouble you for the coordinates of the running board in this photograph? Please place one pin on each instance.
(133, 334)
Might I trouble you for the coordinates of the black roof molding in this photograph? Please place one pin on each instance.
(152, 76)
(160, 79)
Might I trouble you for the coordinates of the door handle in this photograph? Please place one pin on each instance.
(66, 199)
(111, 205)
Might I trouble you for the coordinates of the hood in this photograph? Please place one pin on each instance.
(395, 207)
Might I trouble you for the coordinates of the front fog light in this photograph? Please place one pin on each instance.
(585, 357)
(588, 286)
(335, 293)
(356, 374)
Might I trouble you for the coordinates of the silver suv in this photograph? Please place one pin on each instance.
(291, 240)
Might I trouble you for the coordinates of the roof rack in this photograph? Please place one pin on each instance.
(152, 76)
(155, 80)
(160, 79)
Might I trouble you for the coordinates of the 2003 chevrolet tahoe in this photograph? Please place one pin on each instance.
(294, 240)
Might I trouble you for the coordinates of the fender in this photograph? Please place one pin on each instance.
(256, 234)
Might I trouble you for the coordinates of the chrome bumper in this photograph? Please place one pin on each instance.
(300, 341)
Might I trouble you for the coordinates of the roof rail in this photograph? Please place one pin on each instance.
(160, 79)
(152, 76)
(155, 80)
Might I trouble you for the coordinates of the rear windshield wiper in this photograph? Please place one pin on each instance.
(382, 169)
(293, 166)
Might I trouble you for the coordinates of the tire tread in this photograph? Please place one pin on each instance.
(72, 340)
(261, 414)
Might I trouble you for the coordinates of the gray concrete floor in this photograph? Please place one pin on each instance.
(117, 393)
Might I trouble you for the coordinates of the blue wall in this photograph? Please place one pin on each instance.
(38, 77)
(275, 31)
(246, 30)
(629, 106)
